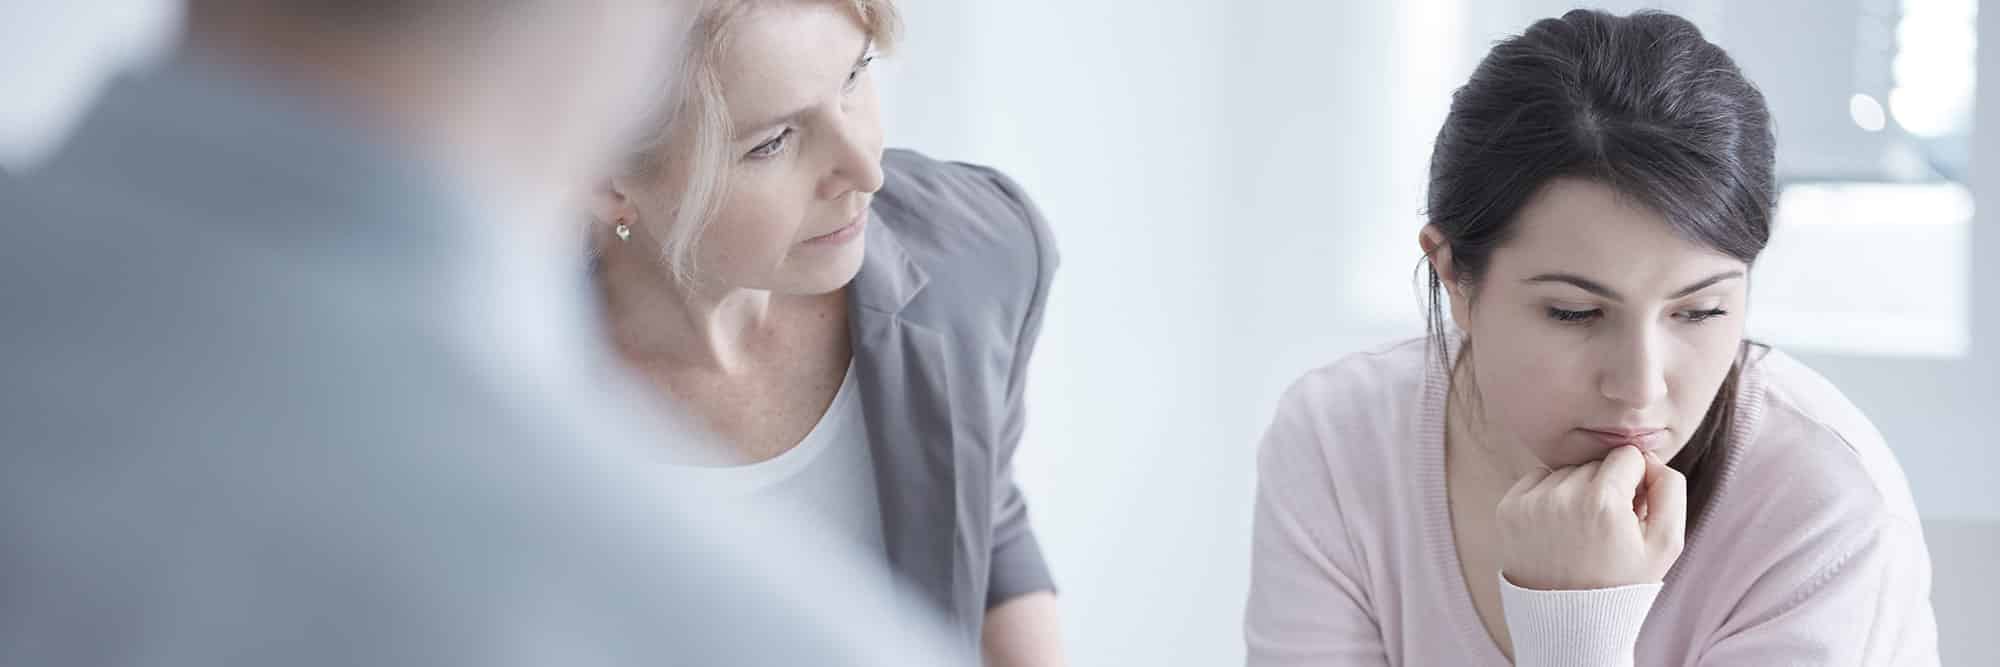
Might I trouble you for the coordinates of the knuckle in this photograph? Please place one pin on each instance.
(1556, 499)
(1671, 549)
(1605, 501)
(1519, 508)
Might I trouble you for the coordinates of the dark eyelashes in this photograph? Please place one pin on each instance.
(1567, 316)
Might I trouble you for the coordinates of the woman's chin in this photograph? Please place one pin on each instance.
(824, 277)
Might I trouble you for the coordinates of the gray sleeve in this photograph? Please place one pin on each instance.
(1018, 567)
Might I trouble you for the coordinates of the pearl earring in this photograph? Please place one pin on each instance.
(624, 231)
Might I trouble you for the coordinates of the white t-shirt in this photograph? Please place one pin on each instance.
(829, 477)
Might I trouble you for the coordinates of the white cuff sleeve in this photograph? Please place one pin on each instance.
(1593, 628)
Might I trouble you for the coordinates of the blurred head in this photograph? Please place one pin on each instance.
(529, 96)
(1598, 194)
(760, 176)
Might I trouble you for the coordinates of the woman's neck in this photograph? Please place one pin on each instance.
(1482, 452)
(655, 318)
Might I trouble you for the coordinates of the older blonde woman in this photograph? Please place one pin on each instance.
(855, 326)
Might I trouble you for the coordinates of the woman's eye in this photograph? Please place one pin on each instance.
(1565, 315)
(1699, 316)
(854, 76)
(773, 147)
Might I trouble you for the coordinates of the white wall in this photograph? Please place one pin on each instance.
(55, 60)
(1183, 153)
(1332, 109)
(1107, 112)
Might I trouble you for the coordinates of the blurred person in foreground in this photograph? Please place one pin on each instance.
(299, 373)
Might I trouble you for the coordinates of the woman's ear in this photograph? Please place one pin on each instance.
(1431, 239)
(1438, 251)
(611, 203)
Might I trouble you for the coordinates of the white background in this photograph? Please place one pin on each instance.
(1236, 187)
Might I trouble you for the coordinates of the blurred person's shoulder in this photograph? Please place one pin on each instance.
(983, 246)
(221, 296)
(1363, 410)
(96, 253)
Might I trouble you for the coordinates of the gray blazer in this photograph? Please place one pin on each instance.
(257, 411)
(945, 313)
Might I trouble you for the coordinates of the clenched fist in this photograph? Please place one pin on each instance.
(1616, 522)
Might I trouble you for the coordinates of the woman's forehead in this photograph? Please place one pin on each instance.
(1586, 227)
(785, 57)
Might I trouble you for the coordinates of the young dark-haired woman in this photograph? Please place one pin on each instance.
(1591, 465)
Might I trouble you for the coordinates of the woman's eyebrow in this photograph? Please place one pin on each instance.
(1599, 289)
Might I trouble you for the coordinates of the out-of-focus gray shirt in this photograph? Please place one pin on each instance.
(269, 400)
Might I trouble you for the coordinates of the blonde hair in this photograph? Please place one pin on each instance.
(702, 120)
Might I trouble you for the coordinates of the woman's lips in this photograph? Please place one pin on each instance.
(842, 235)
(1643, 438)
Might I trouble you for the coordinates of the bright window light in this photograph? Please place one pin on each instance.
(1933, 68)
(1866, 111)
(1868, 269)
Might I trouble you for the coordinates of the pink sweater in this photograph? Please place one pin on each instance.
(1810, 553)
